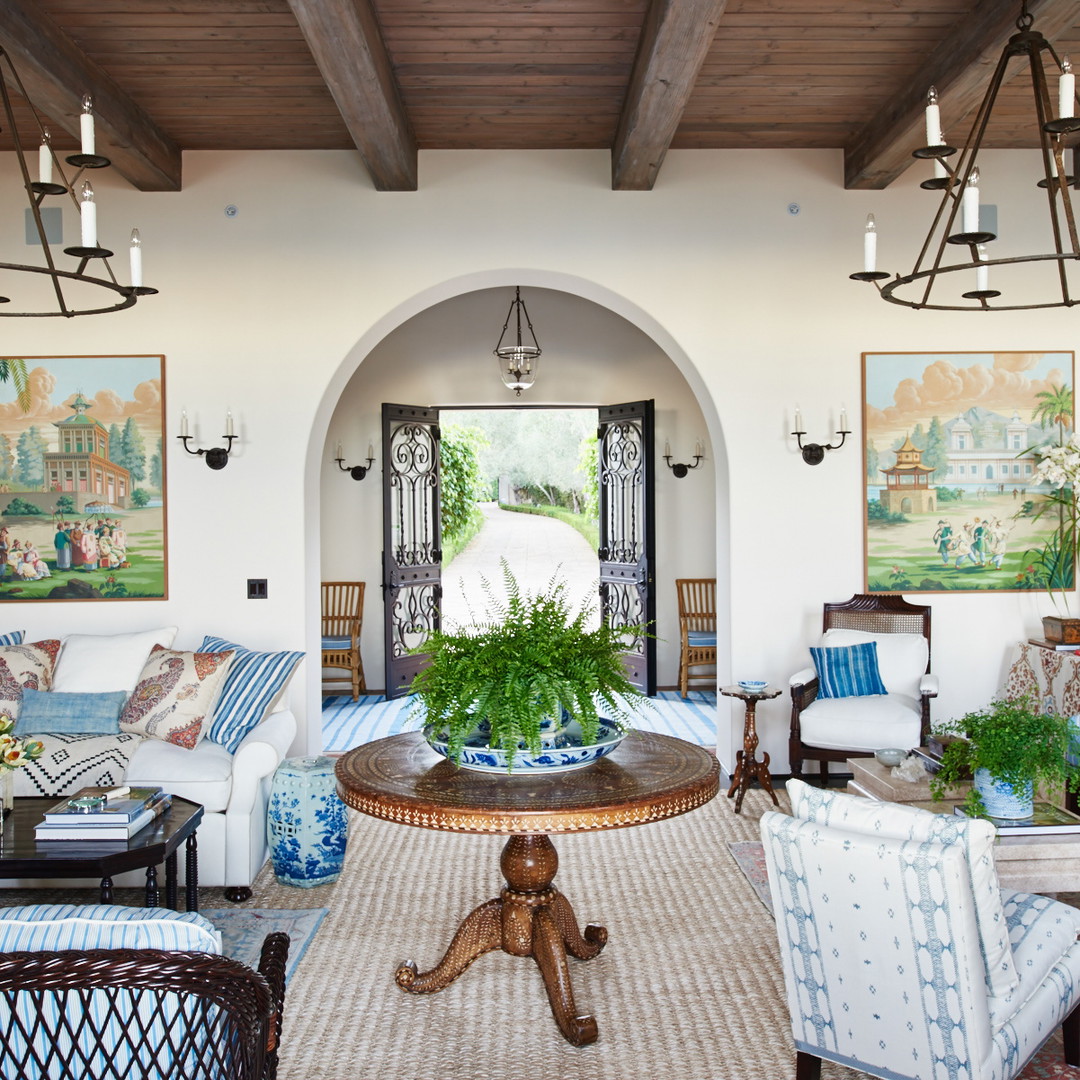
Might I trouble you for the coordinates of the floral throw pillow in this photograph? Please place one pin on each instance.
(174, 695)
(25, 666)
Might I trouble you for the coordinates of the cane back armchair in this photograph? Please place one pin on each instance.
(825, 729)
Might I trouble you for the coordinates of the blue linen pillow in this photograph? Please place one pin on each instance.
(848, 670)
(253, 684)
(54, 713)
(14, 638)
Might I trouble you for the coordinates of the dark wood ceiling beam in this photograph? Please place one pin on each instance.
(56, 74)
(674, 43)
(960, 67)
(347, 44)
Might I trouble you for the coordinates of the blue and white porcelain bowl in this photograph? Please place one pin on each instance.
(565, 751)
(752, 686)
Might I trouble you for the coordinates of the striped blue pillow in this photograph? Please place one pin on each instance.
(848, 671)
(14, 638)
(254, 683)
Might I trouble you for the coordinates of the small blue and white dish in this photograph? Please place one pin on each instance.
(564, 752)
(752, 686)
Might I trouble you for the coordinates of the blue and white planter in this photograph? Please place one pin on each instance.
(306, 822)
(561, 749)
(1002, 800)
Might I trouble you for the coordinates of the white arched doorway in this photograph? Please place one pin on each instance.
(436, 349)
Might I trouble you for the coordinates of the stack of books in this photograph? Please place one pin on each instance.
(95, 813)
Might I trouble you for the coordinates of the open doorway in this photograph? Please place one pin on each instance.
(520, 485)
(441, 356)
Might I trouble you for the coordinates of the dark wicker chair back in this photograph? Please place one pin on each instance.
(110, 1014)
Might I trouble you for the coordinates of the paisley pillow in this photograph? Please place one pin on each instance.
(25, 666)
(175, 694)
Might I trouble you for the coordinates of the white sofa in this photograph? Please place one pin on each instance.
(232, 786)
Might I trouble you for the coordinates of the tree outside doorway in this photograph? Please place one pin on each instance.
(519, 484)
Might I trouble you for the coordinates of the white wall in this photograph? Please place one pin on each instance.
(442, 357)
(271, 313)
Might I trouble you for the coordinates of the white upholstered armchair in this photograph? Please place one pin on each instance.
(838, 721)
(901, 956)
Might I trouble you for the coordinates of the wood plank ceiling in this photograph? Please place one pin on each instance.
(636, 77)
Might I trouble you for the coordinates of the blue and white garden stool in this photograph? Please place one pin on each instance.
(306, 823)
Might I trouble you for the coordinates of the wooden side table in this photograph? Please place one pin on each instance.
(747, 767)
(649, 777)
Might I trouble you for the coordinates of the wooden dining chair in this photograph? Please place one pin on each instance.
(342, 620)
(697, 630)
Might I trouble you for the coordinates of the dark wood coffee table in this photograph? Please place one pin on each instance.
(649, 777)
(21, 855)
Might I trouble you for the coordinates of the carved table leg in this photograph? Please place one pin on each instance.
(479, 933)
(152, 892)
(746, 767)
(530, 918)
(191, 869)
(170, 881)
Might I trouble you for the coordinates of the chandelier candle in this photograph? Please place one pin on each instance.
(1066, 89)
(86, 129)
(971, 203)
(135, 253)
(933, 119)
(88, 216)
(45, 159)
(870, 245)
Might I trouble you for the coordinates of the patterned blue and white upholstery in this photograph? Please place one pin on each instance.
(883, 951)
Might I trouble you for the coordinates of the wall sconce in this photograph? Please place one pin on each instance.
(357, 472)
(681, 470)
(218, 456)
(814, 453)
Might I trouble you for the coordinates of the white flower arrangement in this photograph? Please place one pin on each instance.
(13, 750)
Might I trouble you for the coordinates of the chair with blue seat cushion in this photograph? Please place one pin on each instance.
(900, 955)
(105, 991)
(342, 621)
(838, 709)
(697, 631)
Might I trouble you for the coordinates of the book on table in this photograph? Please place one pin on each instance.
(122, 829)
(1057, 646)
(1046, 819)
(100, 806)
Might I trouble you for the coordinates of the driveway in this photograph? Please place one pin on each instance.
(536, 547)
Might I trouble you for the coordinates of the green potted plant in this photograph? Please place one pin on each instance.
(1011, 748)
(530, 665)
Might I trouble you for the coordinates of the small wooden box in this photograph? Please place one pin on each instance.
(1061, 631)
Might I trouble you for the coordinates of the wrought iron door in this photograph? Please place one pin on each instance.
(627, 530)
(412, 538)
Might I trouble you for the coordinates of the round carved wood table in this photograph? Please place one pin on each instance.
(649, 777)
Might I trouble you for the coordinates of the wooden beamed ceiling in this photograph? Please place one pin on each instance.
(390, 78)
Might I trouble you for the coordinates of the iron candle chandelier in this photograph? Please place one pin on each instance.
(959, 185)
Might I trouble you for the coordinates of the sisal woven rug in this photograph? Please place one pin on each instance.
(688, 987)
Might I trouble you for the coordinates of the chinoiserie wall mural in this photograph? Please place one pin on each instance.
(82, 478)
(952, 443)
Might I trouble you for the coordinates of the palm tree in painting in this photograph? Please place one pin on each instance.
(14, 370)
(1055, 406)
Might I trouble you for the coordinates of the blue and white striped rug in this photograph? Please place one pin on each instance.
(347, 723)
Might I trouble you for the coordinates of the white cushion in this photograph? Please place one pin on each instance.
(97, 663)
(902, 658)
(49, 927)
(1041, 930)
(860, 723)
(203, 775)
(974, 838)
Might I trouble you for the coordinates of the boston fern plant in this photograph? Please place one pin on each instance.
(1015, 742)
(531, 658)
